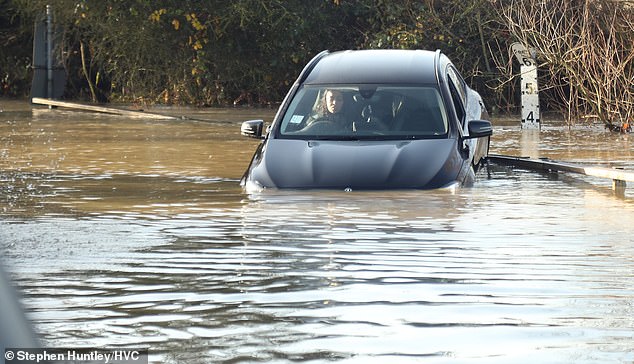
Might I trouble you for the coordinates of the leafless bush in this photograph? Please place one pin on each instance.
(585, 48)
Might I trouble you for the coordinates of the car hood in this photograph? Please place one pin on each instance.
(286, 163)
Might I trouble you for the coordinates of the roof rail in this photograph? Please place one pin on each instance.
(437, 66)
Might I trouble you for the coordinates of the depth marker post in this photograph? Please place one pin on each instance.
(529, 87)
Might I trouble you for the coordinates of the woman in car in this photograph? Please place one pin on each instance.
(333, 115)
(328, 115)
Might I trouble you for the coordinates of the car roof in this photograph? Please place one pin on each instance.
(375, 66)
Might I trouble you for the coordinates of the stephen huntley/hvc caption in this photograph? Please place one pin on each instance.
(76, 356)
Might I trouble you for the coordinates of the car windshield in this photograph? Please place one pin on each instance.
(365, 111)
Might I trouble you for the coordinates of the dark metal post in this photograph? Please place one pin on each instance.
(49, 51)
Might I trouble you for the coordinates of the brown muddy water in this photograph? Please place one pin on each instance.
(135, 233)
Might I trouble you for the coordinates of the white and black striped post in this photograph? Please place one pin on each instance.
(529, 86)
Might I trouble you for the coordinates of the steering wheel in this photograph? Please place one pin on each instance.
(372, 125)
(319, 126)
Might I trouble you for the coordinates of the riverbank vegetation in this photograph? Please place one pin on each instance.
(214, 52)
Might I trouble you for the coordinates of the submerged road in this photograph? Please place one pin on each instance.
(135, 233)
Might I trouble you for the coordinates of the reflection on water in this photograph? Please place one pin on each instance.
(132, 233)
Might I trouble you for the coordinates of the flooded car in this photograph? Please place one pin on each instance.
(372, 119)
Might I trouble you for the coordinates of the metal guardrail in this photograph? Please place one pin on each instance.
(100, 109)
(619, 177)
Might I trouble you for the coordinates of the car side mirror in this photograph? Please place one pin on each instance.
(479, 129)
(252, 128)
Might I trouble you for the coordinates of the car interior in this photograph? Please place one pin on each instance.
(391, 111)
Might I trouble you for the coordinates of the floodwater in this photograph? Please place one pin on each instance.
(135, 233)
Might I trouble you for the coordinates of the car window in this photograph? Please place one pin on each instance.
(458, 91)
(459, 83)
(365, 111)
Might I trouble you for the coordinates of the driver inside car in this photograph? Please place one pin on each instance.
(328, 113)
(333, 114)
